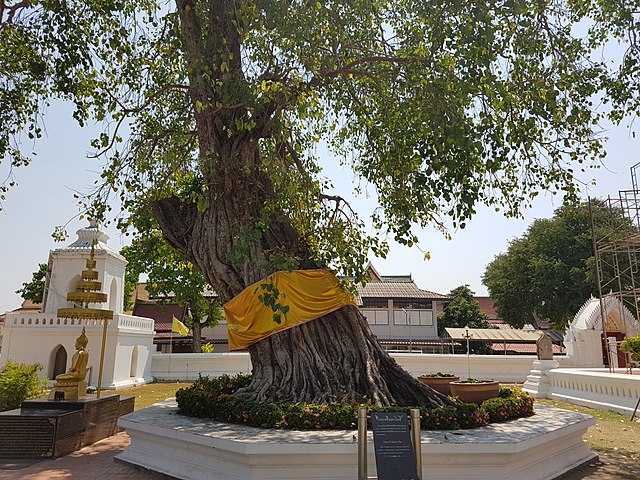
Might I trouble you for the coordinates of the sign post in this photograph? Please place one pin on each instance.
(397, 445)
(362, 444)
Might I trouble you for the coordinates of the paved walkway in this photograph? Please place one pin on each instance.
(93, 462)
(96, 462)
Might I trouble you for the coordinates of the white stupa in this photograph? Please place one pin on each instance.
(48, 339)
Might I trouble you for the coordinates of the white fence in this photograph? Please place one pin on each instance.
(595, 388)
(187, 366)
(39, 320)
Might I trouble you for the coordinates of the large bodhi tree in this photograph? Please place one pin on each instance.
(435, 105)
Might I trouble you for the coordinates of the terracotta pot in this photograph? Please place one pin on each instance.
(474, 392)
(439, 384)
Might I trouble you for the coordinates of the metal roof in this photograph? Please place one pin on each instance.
(495, 334)
(444, 342)
(522, 348)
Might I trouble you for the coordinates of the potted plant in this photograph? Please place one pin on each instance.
(439, 381)
(473, 390)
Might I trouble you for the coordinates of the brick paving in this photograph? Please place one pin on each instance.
(92, 462)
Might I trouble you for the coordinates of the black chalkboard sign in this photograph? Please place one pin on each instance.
(395, 457)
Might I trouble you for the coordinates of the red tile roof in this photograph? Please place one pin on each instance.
(162, 313)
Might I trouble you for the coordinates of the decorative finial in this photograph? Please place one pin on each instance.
(87, 291)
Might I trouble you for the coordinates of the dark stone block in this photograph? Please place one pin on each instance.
(49, 428)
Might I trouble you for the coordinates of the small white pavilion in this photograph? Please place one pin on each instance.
(47, 339)
(583, 337)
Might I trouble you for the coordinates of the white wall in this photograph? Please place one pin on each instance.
(187, 366)
(33, 337)
(132, 341)
(65, 273)
(391, 323)
(592, 387)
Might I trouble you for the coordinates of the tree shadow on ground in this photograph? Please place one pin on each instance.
(611, 465)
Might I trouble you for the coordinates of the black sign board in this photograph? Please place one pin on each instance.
(395, 457)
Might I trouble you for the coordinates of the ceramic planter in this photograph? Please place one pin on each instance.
(439, 384)
(474, 392)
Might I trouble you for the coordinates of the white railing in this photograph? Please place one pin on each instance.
(187, 366)
(129, 322)
(47, 320)
(595, 388)
(51, 321)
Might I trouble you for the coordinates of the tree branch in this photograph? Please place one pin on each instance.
(176, 219)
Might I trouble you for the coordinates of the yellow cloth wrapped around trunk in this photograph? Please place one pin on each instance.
(308, 294)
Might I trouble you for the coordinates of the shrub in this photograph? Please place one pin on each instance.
(511, 403)
(207, 347)
(475, 380)
(18, 382)
(438, 375)
(212, 398)
(632, 345)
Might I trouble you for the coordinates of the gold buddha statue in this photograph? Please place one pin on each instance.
(73, 383)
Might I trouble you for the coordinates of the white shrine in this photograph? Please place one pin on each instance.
(583, 337)
(48, 339)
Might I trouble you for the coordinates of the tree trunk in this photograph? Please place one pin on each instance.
(196, 330)
(330, 359)
(335, 358)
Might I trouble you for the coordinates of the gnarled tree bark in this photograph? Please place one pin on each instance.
(335, 358)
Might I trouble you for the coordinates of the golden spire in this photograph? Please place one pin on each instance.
(87, 291)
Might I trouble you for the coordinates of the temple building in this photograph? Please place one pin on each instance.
(592, 342)
(47, 336)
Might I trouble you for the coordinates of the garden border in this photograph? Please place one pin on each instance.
(541, 447)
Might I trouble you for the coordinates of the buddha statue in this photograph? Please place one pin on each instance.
(72, 383)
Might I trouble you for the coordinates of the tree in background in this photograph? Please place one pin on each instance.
(462, 310)
(34, 289)
(436, 106)
(172, 279)
(548, 273)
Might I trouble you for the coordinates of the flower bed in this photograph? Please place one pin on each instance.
(212, 398)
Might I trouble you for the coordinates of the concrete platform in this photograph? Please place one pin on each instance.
(541, 447)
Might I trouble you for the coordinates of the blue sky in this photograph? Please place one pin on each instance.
(44, 198)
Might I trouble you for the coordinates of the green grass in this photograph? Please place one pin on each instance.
(613, 433)
(147, 395)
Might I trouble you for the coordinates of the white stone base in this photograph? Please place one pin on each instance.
(130, 382)
(537, 383)
(541, 447)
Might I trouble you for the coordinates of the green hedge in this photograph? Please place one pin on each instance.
(212, 398)
(18, 382)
